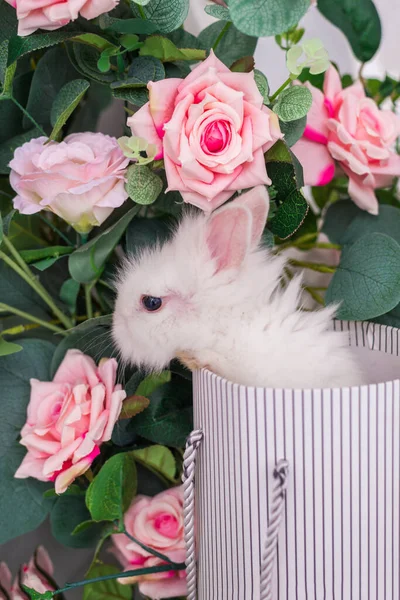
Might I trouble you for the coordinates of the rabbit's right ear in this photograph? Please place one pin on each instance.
(228, 235)
(257, 202)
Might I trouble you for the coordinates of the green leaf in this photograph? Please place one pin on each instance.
(159, 458)
(17, 293)
(137, 97)
(392, 318)
(293, 103)
(130, 41)
(34, 595)
(112, 490)
(367, 281)
(6, 73)
(133, 406)
(289, 215)
(262, 18)
(20, 498)
(65, 103)
(233, 45)
(20, 46)
(218, 12)
(293, 130)
(7, 348)
(168, 15)
(131, 25)
(69, 294)
(8, 20)
(165, 50)
(92, 39)
(262, 84)
(151, 383)
(338, 218)
(31, 256)
(53, 70)
(67, 513)
(85, 58)
(387, 222)
(146, 68)
(143, 233)
(72, 490)
(87, 262)
(8, 148)
(243, 65)
(105, 590)
(143, 185)
(169, 418)
(359, 21)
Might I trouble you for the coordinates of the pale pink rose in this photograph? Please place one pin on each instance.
(53, 14)
(37, 574)
(81, 179)
(69, 418)
(158, 523)
(212, 130)
(347, 127)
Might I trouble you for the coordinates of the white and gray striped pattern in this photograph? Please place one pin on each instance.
(340, 535)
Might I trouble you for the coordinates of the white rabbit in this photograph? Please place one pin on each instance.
(213, 298)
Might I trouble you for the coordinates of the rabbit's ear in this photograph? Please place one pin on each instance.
(257, 202)
(228, 235)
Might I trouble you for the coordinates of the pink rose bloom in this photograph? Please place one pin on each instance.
(158, 523)
(347, 127)
(69, 418)
(212, 130)
(81, 179)
(37, 574)
(53, 14)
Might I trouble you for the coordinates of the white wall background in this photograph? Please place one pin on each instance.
(71, 564)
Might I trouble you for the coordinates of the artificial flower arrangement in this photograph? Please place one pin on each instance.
(91, 442)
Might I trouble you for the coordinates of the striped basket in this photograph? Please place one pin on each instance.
(328, 527)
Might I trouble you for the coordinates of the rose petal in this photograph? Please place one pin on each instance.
(316, 161)
(142, 125)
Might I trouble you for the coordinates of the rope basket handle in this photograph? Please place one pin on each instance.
(189, 464)
(277, 509)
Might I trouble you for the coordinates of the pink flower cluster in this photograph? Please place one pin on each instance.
(36, 575)
(53, 14)
(69, 418)
(212, 130)
(81, 179)
(347, 128)
(158, 523)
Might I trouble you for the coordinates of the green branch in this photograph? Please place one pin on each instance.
(151, 550)
(29, 317)
(29, 116)
(321, 268)
(221, 35)
(280, 89)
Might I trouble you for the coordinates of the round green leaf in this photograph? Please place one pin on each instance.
(266, 17)
(168, 15)
(218, 12)
(367, 281)
(338, 218)
(387, 222)
(112, 490)
(143, 185)
(233, 45)
(262, 84)
(293, 103)
(293, 130)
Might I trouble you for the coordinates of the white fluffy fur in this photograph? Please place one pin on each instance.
(240, 323)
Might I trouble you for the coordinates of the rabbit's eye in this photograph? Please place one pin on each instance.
(151, 303)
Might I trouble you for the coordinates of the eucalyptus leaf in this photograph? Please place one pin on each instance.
(137, 97)
(338, 218)
(112, 490)
(293, 130)
(146, 68)
(267, 17)
(293, 103)
(218, 12)
(69, 294)
(262, 84)
(367, 280)
(387, 222)
(166, 51)
(87, 262)
(168, 15)
(85, 58)
(20, 46)
(359, 21)
(143, 185)
(65, 103)
(143, 26)
(233, 45)
(15, 375)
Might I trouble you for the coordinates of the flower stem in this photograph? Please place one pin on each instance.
(18, 258)
(132, 573)
(88, 299)
(317, 297)
(141, 11)
(29, 116)
(35, 284)
(280, 89)
(221, 35)
(321, 268)
(29, 317)
(150, 550)
(56, 230)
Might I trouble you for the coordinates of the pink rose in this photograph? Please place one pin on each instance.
(158, 523)
(347, 127)
(53, 14)
(37, 574)
(69, 418)
(212, 130)
(81, 179)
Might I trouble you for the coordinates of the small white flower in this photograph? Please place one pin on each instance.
(137, 149)
(315, 57)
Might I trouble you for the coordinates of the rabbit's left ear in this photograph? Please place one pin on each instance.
(257, 202)
(228, 236)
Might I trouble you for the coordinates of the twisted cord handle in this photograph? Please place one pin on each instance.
(189, 463)
(270, 549)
